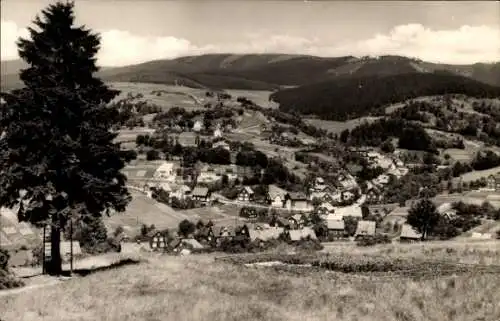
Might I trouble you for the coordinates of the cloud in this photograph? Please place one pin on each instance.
(468, 44)
(465, 45)
(9, 33)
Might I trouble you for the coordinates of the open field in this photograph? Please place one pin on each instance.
(472, 176)
(144, 210)
(213, 212)
(337, 127)
(126, 135)
(260, 97)
(197, 288)
(170, 96)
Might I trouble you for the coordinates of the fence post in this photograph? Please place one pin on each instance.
(71, 248)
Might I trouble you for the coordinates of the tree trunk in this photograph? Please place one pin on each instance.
(424, 232)
(54, 267)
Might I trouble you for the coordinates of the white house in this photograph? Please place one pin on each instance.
(198, 125)
(245, 194)
(221, 144)
(365, 228)
(325, 208)
(181, 192)
(354, 211)
(164, 186)
(347, 196)
(276, 196)
(298, 202)
(382, 179)
(208, 177)
(447, 210)
(167, 171)
(217, 132)
(347, 181)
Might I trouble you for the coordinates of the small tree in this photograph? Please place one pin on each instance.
(91, 233)
(387, 146)
(186, 228)
(351, 224)
(152, 154)
(365, 211)
(424, 217)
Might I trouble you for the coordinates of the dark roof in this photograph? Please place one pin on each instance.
(297, 196)
(174, 243)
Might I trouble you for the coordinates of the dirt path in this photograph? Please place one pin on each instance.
(33, 284)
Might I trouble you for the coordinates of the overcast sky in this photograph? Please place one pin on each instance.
(138, 31)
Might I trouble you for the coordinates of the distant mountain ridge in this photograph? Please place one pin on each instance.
(268, 71)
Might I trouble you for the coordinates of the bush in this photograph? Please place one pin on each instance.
(7, 281)
(4, 259)
(309, 245)
(374, 240)
(37, 253)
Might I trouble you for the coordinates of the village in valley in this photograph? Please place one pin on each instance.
(235, 172)
(227, 169)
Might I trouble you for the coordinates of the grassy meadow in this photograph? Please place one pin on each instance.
(170, 96)
(337, 127)
(198, 288)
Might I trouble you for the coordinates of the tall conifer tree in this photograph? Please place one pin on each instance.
(58, 160)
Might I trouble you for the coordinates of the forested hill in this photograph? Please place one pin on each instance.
(348, 98)
(268, 71)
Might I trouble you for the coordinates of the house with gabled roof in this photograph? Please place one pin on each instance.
(166, 171)
(276, 196)
(336, 227)
(265, 234)
(365, 228)
(382, 209)
(447, 210)
(374, 195)
(201, 194)
(181, 192)
(282, 222)
(246, 194)
(221, 144)
(325, 208)
(408, 233)
(327, 195)
(304, 233)
(353, 211)
(298, 202)
(164, 187)
(297, 221)
(493, 182)
(198, 126)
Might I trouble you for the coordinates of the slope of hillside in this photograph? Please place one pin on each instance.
(359, 96)
(144, 210)
(267, 71)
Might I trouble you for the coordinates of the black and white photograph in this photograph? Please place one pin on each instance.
(249, 160)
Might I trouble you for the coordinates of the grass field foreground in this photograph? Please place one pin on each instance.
(197, 288)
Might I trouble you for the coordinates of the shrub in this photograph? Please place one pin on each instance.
(7, 281)
(4, 259)
(309, 245)
(37, 253)
(374, 240)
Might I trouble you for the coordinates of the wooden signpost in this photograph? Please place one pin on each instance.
(47, 248)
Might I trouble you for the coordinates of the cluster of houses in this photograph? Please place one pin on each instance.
(211, 236)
